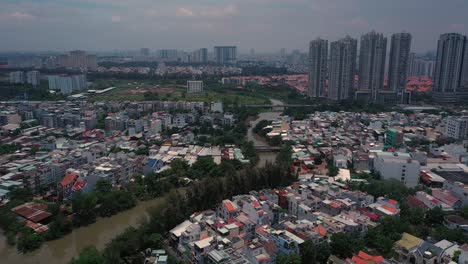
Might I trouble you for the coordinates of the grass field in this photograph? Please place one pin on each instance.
(136, 90)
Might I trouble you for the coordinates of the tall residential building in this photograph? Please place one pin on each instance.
(144, 52)
(457, 127)
(399, 61)
(411, 59)
(17, 77)
(448, 74)
(169, 54)
(33, 77)
(24, 62)
(372, 56)
(78, 59)
(318, 59)
(421, 67)
(199, 56)
(194, 87)
(91, 62)
(225, 54)
(67, 84)
(283, 52)
(342, 68)
(464, 80)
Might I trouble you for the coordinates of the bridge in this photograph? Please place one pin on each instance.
(267, 149)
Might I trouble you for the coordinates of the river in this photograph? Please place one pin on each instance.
(259, 141)
(100, 233)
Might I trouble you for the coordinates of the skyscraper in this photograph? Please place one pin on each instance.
(199, 56)
(17, 77)
(225, 54)
(422, 67)
(342, 68)
(283, 52)
(449, 70)
(372, 62)
(33, 77)
(144, 52)
(411, 64)
(464, 80)
(168, 54)
(399, 61)
(318, 59)
(67, 84)
(77, 59)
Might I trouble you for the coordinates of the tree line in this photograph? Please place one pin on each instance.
(204, 194)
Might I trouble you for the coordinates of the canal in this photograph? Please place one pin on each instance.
(259, 141)
(98, 234)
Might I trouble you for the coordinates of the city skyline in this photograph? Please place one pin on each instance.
(52, 24)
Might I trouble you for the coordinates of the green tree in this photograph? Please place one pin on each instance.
(345, 245)
(317, 161)
(29, 240)
(84, 206)
(465, 212)
(456, 256)
(156, 240)
(124, 247)
(442, 232)
(116, 201)
(434, 216)
(285, 155)
(89, 255)
(103, 186)
(275, 140)
(288, 259)
(59, 226)
(333, 170)
(315, 253)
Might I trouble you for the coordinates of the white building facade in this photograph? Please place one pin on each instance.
(68, 84)
(457, 127)
(399, 166)
(194, 87)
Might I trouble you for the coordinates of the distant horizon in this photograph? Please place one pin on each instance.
(154, 51)
(266, 25)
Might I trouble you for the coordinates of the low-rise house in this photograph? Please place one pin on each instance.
(228, 209)
(34, 215)
(67, 183)
(385, 207)
(364, 258)
(361, 162)
(405, 248)
(447, 197)
(456, 222)
(463, 258)
(286, 242)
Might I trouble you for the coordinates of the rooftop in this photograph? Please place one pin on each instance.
(408, 241)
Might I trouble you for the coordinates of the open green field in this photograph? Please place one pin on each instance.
(152, 90)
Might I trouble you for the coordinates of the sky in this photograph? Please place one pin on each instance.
(265, 25)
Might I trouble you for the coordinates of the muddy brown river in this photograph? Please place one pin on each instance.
(62, 250)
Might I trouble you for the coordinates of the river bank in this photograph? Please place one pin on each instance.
(104, 230)
(97, 234)
(258, 141)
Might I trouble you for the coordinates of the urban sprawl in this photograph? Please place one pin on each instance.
(370, 155)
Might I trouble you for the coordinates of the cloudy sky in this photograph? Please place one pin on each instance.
(266, 25)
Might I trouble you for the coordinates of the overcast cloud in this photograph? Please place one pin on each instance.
(266, 25)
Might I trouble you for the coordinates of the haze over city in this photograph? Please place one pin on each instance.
(234, 131)
(266, 25)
